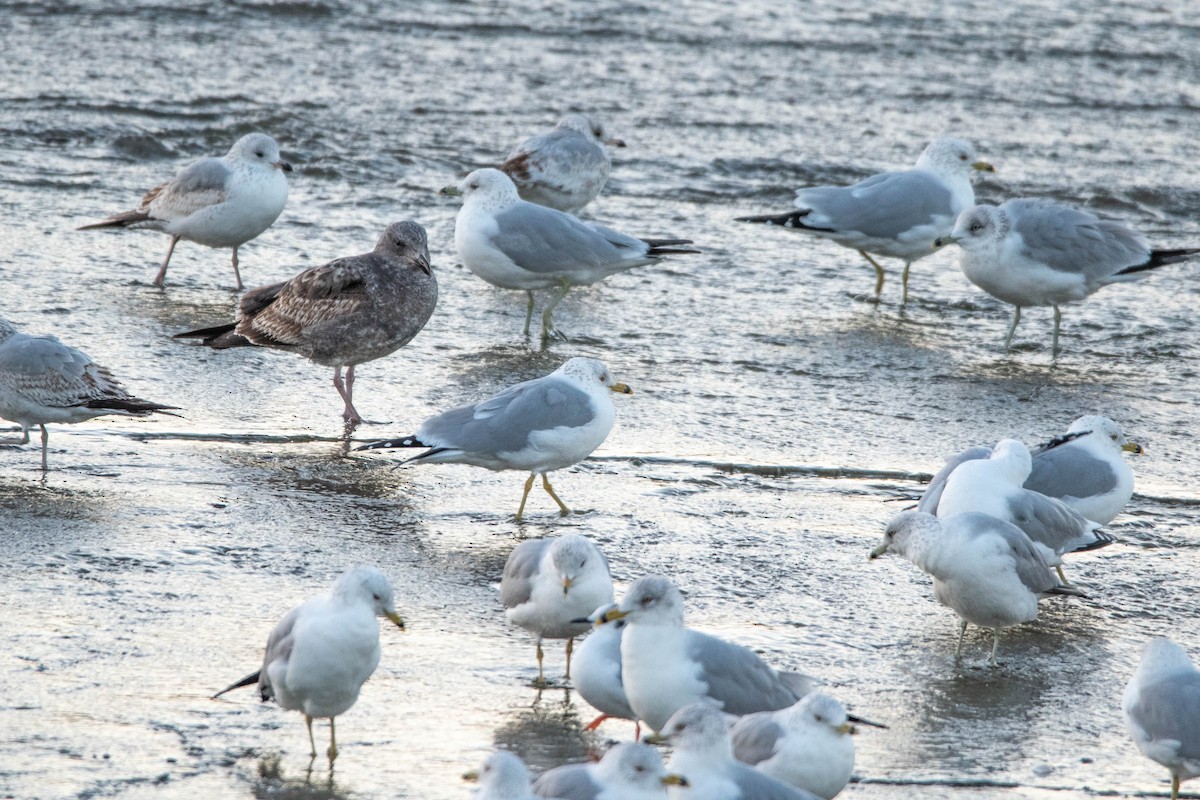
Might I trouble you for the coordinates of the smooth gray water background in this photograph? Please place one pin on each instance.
(144, 572)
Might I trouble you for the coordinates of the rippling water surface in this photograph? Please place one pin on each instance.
(780, 416)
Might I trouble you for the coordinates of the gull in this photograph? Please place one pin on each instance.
(515, 244)
(702, 751)
(666, 666)
(548, 583)
(994, 486)
(1082, 467)
(541, 425)
(597, 676)
(628, 771)
(503, 776)
(322, 652)
(43, 380)
(564, 168)
(985, 569)
(343, 313)
(216, 202)
(1161, 706)
(806, 745)
(890, 214)
(1030, 252)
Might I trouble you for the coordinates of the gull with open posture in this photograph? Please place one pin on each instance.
(515, 244)
(1162, 709)
(343, 313)
(540, 425)
(548, 584)
(564, 168)
(43, 380)
(1031, 252)
(321, 653)
(629, 771)
(890, 214)
(666, 666)
(985, 569)
(216, 202)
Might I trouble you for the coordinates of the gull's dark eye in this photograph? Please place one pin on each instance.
(976, 227)
(377, 597)
(962, 156)
(474, 184)
(259, 153)
(647, 600)
(680, 726)
(640, 768)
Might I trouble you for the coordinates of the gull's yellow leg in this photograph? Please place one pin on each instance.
(1012, 329)
(570, 649)
(528, 313)
(524, 497)
(547, 315)
(878, 272)
(332, 751)
(1174, 787)
(1057, 324)
(311, 744)
(904, 281)
(550, 491)
(1062, 577)
(962, 631)
(995, 645)
(541, 679)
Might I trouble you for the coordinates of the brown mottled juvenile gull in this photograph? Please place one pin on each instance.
(1162, 709)
(540, 425)
(564, 168)
(321, 653)
(343, 313)
(216, 202)
(43, 380)
(890, 214)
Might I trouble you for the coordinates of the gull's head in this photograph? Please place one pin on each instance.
(1162, 657)
(503, 774)
(698, 728)
(949, 156)
(636, 767)
(591, 374)
(977, 228)
(821, 711)
(1014, 458)
(259, 150)
(600, 618)
(1106, 432)
(368, 585)
(574, 558)
(651, 598)
(487, 188)
(406, 240)
(584, 124)
(903, 529)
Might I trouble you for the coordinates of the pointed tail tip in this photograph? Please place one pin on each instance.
(246, 681)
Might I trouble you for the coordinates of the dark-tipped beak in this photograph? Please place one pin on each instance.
(621, 388)
(613, 141)
(453, 191)
(1133, 447)
(942, 241)
(983, 166)
(283, 165)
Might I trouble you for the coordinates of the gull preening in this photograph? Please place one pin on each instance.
(1031, 252)
(216, 202)
(341, 314)
(548, 584)
(564, 168)
(45, 381)
(1161, 706)
(628, 771)
(890, 214)
(540, 425)
(516, 244)
(321, 653)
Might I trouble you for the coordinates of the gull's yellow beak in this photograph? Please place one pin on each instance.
(846, 728)
(1133, 447)
(654, 738)
(567, 583)
(983, 166)
(471, 776)
(675, 780)
(453, 191)
(394, 617)
(609, 616)
(621, 388)
(878, 551)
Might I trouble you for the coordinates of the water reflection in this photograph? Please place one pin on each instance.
(271, 783)
(547, 733)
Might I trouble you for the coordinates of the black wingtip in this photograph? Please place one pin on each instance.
(1069, 591)
(1161, 258)
(384, 444)
(790, 219)
(246, 681)
(1059, 441)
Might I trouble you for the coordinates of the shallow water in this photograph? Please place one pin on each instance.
(780, 417)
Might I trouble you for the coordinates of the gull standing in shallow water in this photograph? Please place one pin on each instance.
(514, 244)
(666, 666)
(629, 771)
(321, 653)
(564, 168)
(891, 214)
(1162, 709)
(216, 202)
(43, 380)
(985, 569)
(549, 583)
(341, 314)
(541, 425)
(1030, 252)
(702, 751)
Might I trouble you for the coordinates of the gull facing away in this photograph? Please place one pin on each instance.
(702, 751)
(549, 583)
(1083, 467)
(515, 244)
(890, 214)
(1030, 252)
(666, 666)
(540, 425)
(628, 771)
(807, 745)
(341, 314)
(597, 676)
(1162, 709)
(43, 380)
(985, 569)
(321, 653)
(503, 776)
(564, 168)
(994, 486)
(216, 202)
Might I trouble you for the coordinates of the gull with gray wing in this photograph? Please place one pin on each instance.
(1161, 706)
(564, 168)
(629, 771)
